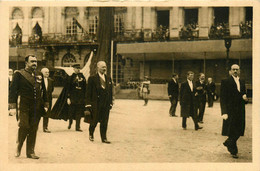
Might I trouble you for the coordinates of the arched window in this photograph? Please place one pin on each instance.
(68, 60)
(17, 14)
(17, 35)
(37, 32)
(37, 12)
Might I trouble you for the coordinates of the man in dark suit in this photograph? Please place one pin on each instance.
(232, 101)
(48, 82)
(99, 101)
(173, 93)
(188, 101)
(76, 98)
(211, 88)
(201, 91)
(28, 95)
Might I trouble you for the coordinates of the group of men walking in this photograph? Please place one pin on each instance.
(192, 96)
(31, 94)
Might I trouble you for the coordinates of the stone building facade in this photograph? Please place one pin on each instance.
(152, 41)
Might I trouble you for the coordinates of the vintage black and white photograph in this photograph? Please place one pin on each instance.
(122, 84)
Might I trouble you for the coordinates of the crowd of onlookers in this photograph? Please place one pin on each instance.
(246, 29)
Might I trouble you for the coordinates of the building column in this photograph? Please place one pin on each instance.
(174, 23)
(128, 24)
(234, 21)
(147, 23)
(58, 15)
(63, 28)
(25, 29)
(203, 22)
(45, 20)
(138, 21)
(81, 15)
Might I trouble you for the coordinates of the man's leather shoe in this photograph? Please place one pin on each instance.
(17, 154)
(106, 141)
(46, 131)
(198, 127)
(33, 156)
(91, 138)
(235, 156)
(79, 130)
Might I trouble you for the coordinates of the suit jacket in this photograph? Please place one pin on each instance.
(30, 88)
(232, 103)
(187, 99)
(49, 91)
(201, 92)
(94, 98)
(173, 89)
(211, 88)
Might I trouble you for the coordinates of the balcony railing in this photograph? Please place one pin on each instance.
(189, 31)
(219, 31)
(61, 38)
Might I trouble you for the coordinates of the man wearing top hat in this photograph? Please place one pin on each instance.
(76, 96)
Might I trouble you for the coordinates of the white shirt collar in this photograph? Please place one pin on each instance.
(102, 76)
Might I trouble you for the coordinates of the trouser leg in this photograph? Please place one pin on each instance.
(32, 133)
(22, 134)
(233, 143)
(78, 117)
(45, 122)
(195, 120)
(184, 119)
(92, 129)
(201, 110)
(103, 128)
(210, 100)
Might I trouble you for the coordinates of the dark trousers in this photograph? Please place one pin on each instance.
(45, 123)
(103, 128)
(210, 100)
(29, 133)
(194, 118)
(201, 108)
(232, 143)
(28, 118)
(174, 102)
(76, 112)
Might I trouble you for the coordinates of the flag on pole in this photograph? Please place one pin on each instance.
(86, 69)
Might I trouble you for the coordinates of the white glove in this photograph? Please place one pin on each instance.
(68, 101)
(46, 109)
(244, 97)
(225, 116)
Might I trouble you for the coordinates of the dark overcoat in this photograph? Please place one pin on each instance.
(173, 89)
(93, 98)
(232, 103)
(187, 100)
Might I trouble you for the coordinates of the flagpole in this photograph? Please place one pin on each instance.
(112, 56)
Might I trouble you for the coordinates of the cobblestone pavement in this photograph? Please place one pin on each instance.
(139, 134)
